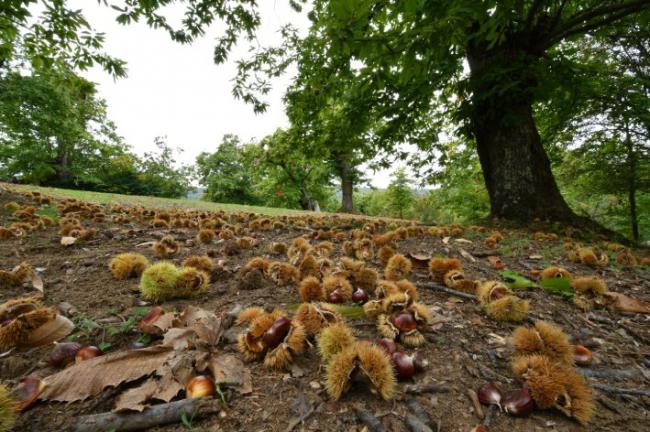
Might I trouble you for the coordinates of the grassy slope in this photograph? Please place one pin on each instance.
(147, 201)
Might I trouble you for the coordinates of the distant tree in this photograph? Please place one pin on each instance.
(400, 194)
(161, 175)
(53, 128)
(224, 173)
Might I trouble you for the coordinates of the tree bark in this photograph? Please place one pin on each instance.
(347, 205)
(516, 169)
(631, 159)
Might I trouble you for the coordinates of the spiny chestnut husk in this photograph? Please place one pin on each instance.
(200, 386)
(87, 353)
(63, 353)
(360, 362)
(518, 402)
(545, 339)
(334, 339)
(8, 412)
(490, 394)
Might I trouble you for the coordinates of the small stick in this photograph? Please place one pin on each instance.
(489, 414)
(434, 286)
(618, 390)
(425, 388)
(369, 420)
(612, 373)
(477, 405)
(417, 410)
(156, 415)
(415, 424)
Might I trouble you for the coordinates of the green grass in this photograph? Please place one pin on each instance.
(154, 202)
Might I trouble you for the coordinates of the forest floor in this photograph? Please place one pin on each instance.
(464, 347)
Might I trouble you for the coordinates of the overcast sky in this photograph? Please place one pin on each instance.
(177, 91)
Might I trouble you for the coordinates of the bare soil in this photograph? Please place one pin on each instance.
(460, 348)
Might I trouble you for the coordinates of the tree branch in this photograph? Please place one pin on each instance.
(609, 13)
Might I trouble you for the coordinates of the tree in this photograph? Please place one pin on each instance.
(53, 128)
(225, 174)
(400, 194)
(407, 67)
(160, 174)
(285, 166)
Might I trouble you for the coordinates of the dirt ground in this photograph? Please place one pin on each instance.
(461, 348)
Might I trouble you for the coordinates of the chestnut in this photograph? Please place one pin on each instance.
(335, 297)
(404, 321)
(518, 402)
(388, 345)
(275, 334)
(582, 355)
(200, 386)
(86, 353)
(490, 394)
(359, 296)
(419, 361)
(403, 365)
(63, 353)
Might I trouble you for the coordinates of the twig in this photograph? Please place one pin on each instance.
(477, 405)
(618, 390)
(417, 410)
(415, 424)
(155, 416)
(489, 415)
(425, 388)
(436, 287)
(369, 420)
(612, 373)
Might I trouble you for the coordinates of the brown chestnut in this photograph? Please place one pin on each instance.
(490, 394)
(335, 297)
(63, 353)
(86, 353)
(403, 365)
(404, 321)
(275, 334)
(200, 386)
(518, 402)
(582, 355)
(388, 345)
(359, 296)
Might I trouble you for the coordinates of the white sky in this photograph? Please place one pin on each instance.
(177, 90)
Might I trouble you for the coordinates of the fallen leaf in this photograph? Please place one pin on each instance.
(27, 391)
(419, 259)
(158, 327)
(67, 241)
(92, 376)
(462, 240)
(135, 399)
(495, 262)
(37, 282)
(49, 332)
(227, 370)
(560, 286)
(627, 304)
(535, 257)
(514, 280)
(446, 240)
(467, 255)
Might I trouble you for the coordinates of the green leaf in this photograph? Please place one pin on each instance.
(514, 280)
(104, 346)
(560, 286)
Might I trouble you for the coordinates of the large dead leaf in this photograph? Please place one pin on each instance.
(37, 282)
(51, 331)
(467, 255)
(228, 370)
(627, 304)
(419, 259)
(135, 399)
(90, 377)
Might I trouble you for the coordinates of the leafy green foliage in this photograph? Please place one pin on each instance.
(559, 286)
(514, 280)
(399, 193)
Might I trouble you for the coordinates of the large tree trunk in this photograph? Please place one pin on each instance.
(516, 169)
(631, 159)
(346, 187)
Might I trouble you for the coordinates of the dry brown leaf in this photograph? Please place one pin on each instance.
(49, 332)
(467, 255)
(227, 370)
(67, 241)
(180, 338)
(419, 259)
(462, 240)
(90, 377)
(27, 391)
(446, 240)
(163, 323)
(37, 282)
(135, 399)
(627, 304)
